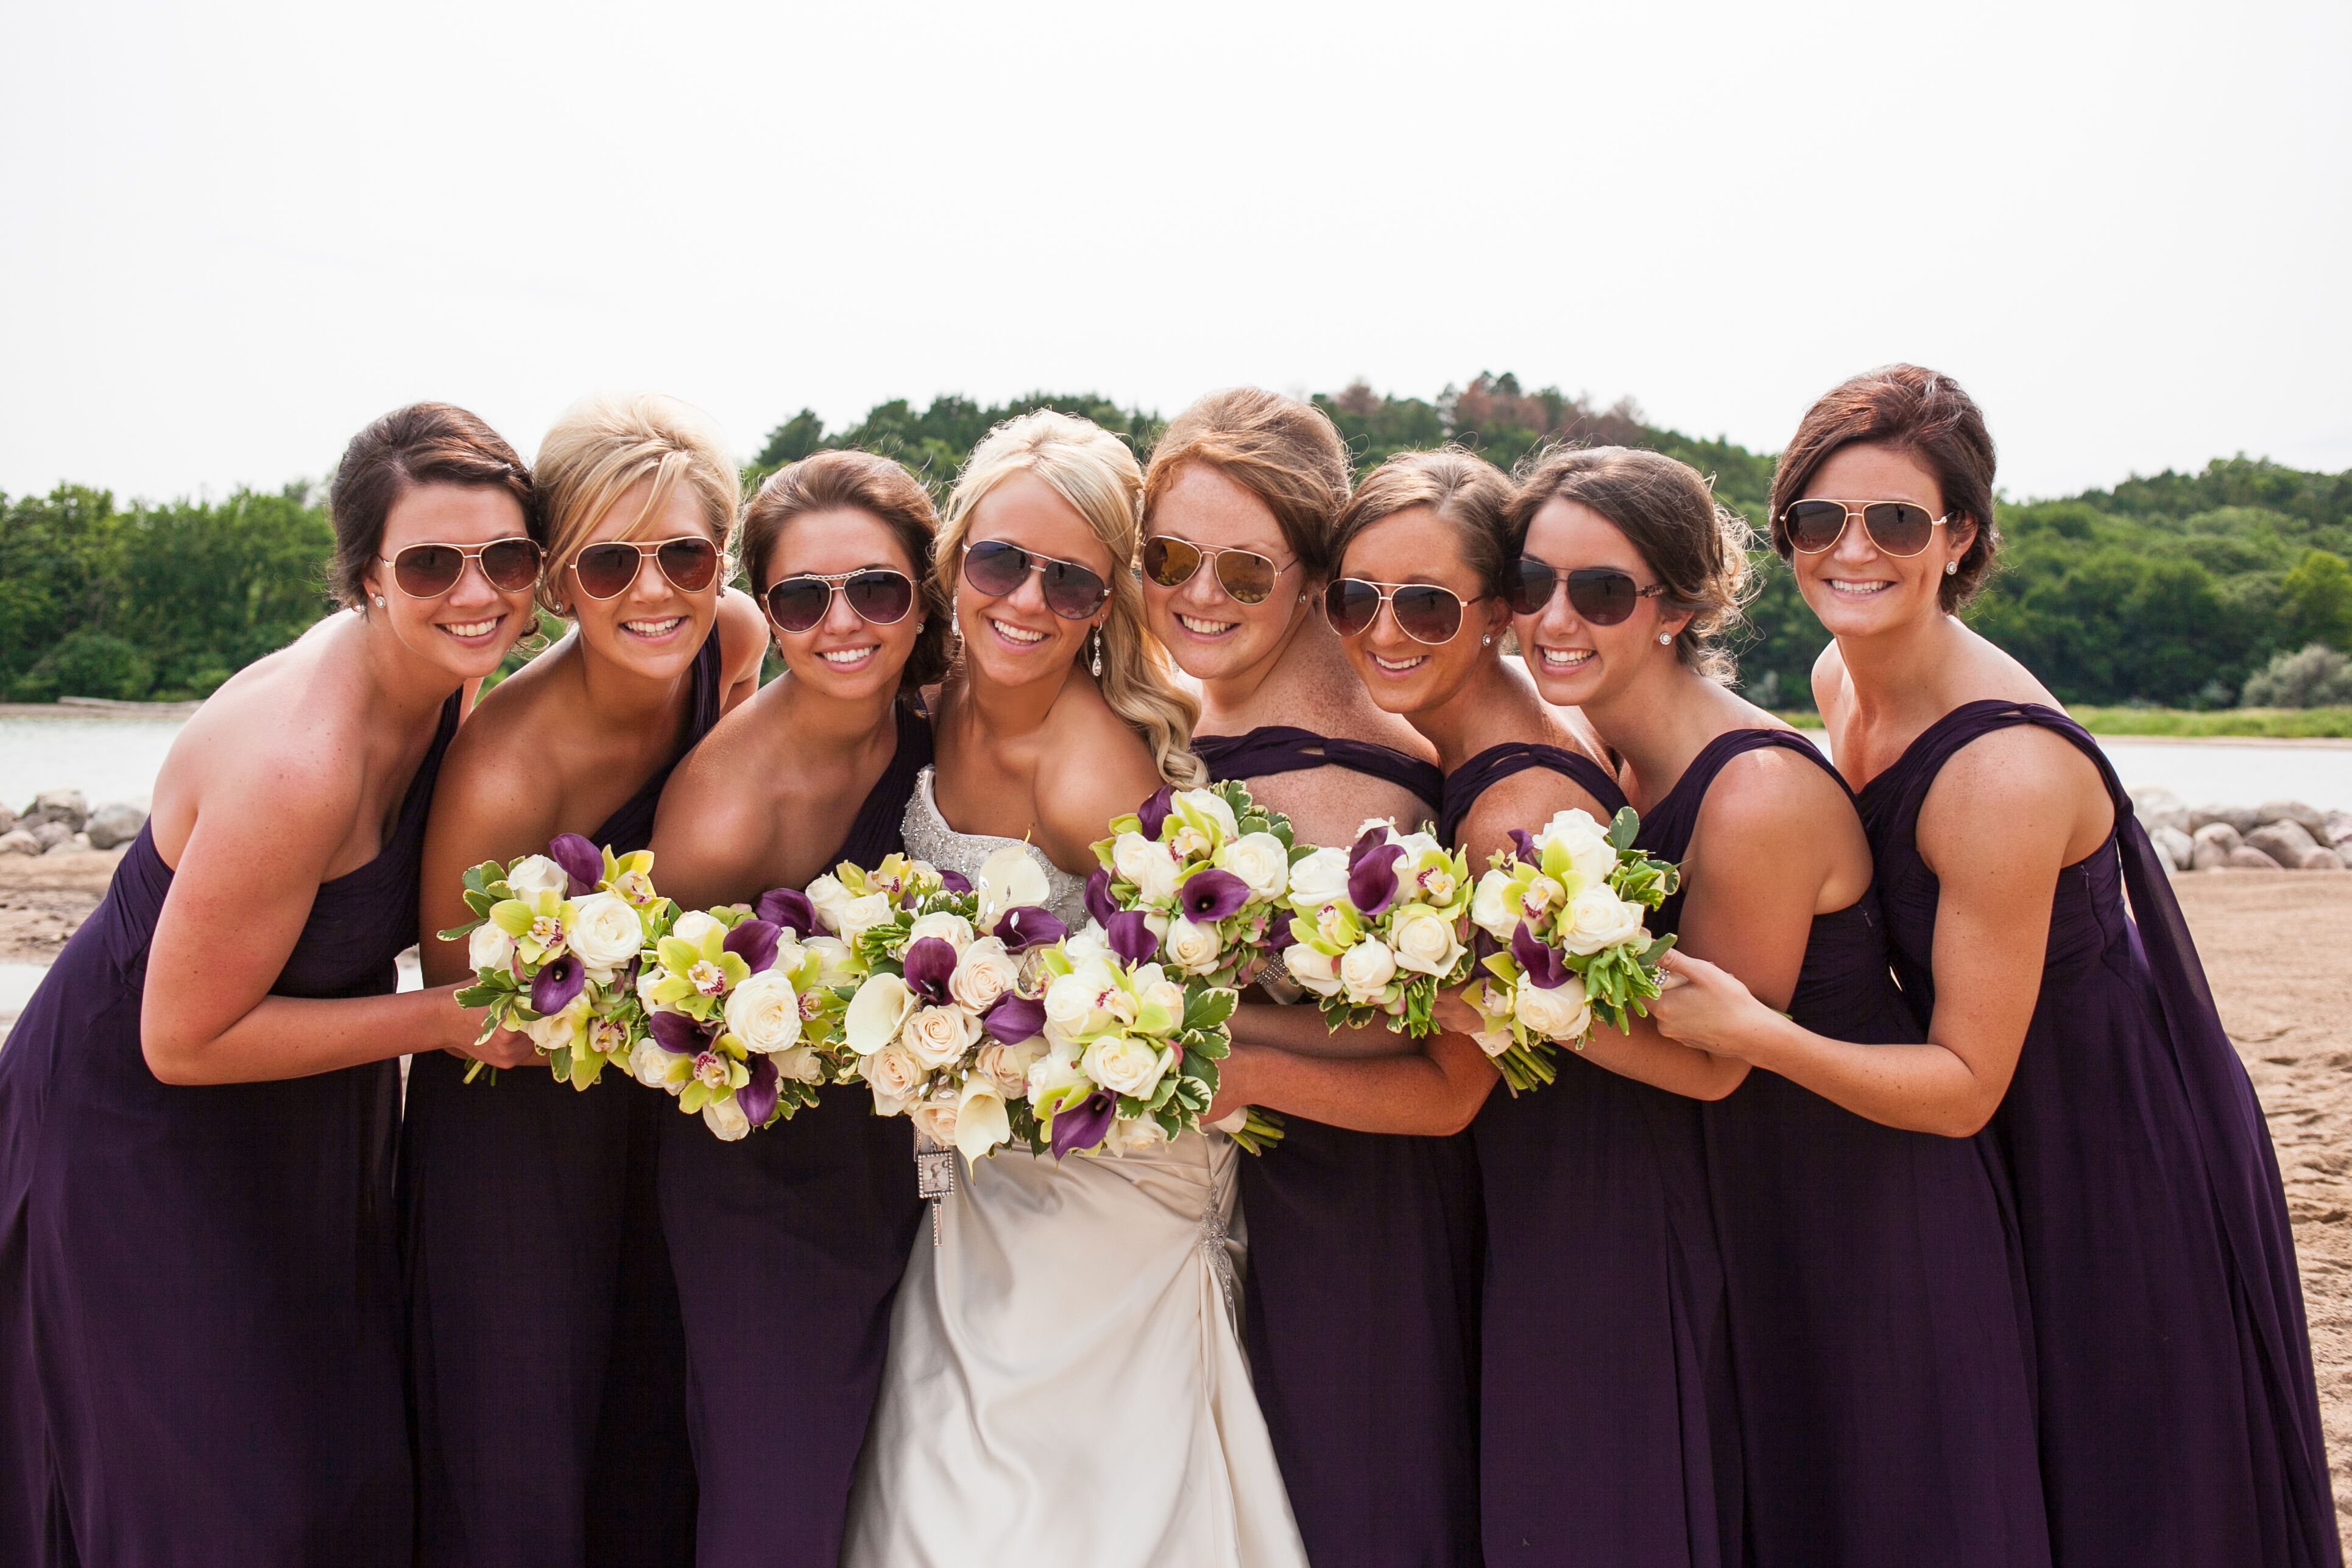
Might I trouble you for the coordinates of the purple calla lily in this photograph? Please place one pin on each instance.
(1030, 925)
(1014, 1019)
(1544, 966)
(1524, 847)
(1130, 936)
(1372, 872)
(581, 861)
(758, 1097)
(1279, 934)
(928, 963)
(676, 1034)
(558, 982)
(753, 942)
(1153, 813)
(787, 909)
(1085, 1125)
(1099, 903)
(1210, 896)
(955, 882)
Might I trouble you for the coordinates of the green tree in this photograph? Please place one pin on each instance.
(2317, 599)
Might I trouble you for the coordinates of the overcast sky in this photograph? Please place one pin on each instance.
(232, 233)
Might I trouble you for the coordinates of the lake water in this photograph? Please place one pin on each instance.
(105, 759)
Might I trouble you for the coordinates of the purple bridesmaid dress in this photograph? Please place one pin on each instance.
(2180, 1423)
(199, 1296)
(1609, 1434)
(788, 1246)
(1879, 1335)
(1362, 1319)
(546, 1359)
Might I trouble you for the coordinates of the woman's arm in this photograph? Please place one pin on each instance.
(1433, 1090)
(1302, 1029)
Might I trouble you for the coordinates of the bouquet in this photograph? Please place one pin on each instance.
(1378, 930)
(1568, 907)
(554, 946)
(1208, 869)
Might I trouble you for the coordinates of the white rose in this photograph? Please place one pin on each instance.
(1320, 879)
(1074, 1002)
(764, 1013)
(1492, 909)
(561, 1028)
(862, 914)
(1260, 861)
(535, 874)
(649, 1064)
(1007, 1066)
(935, 1036)
(801, 1064)
(1417, 845)
(1140, 1136)
(1148, 865)
(1560, 1014)
(726, 1119)
(1317, 971)
(876, 1013)
(1424, 941)
(1366, 968)
(1192, 947)
(946, 925)
(489, 948)
(1170, 997)
(605, 932)
(828, 898)
(692, 926)
(1597, 918)
(1586, 841)
(895, 1079)
(983, 974)
(837, 965)
(1089, 943)
(1125, 1065)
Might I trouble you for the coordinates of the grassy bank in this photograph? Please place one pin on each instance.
(2274, 723)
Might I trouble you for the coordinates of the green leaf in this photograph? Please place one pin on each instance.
(1623, 827)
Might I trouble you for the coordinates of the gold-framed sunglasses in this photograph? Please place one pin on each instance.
(1898, 528)
(1247, 577)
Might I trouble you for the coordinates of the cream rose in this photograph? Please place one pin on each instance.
(489, 948)
(1126, 1065)
(535, 874)
(1492, 908)
(649, 1064)
(1169, 998)
(605, 932)
(1595, 919)
(1320, 879)
(1138, 1135)
(935, 1118)
(801, 1064)
(828, 897)
(1425, 941)
(1261, 862)
(1558, 1014)
(1007, 1066)
(561, 1028)
(1192, 947)
(1148, 865)
(726, 1119)
(1317, 971)
(893, 1077)
(1366, 968)
(935, 1036)
(692, 926)
(1075, 1002)
(764, 1013)
(984, 973)
(862, 914)
(946, 925)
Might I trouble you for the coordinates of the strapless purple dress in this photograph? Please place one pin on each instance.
(1609, 1434)
(2180, 1423)
(547, 1357)
(1879, 1335)
(199, 1296)
(1362, 1319)
(788, 1246)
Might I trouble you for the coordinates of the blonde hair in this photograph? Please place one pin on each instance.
(1091, 469)
(605, 443)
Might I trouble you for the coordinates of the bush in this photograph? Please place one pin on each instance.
(2318, 676)
(89, 663)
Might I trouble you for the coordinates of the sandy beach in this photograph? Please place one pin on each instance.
(2277, 945)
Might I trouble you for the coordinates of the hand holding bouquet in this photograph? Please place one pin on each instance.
(1378, 930)
(1208, 869)
(1568, 904)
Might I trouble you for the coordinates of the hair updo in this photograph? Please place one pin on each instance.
(1917, 411)
(605, 446)
(1697, 547)
(423, 444)
(1469, 495)
(1286, 453)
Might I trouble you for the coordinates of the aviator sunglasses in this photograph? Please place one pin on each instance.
(1897, 527)
(995, 568)
(1244, 575)
(1601, 595)
(1424, 611)
(605, 571)
(879, 595)
(429, 570)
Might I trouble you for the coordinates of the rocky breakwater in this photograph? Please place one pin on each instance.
(61, 822)
(2281, 836)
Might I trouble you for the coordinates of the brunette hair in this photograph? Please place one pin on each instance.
(850, 480)
(603, 446)
(423, 444)
(1697, 547)
(1923, 414)
(1467, 493)
(1286, 453)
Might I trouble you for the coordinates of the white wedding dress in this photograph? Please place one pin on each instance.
(1066, 1386)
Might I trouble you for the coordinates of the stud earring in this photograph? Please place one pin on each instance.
(1098, 661)
(379, 600)
(1488, 640)
(1951, 567)
(1665, 637)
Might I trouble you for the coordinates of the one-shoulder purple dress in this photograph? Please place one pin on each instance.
(1879, 1335)
(1362, 1319)
(199, 1296)
(1609, 1434)
(546, 1359)
(788, 1245)
(2180, 1423)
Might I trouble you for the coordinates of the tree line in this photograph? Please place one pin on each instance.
(2174, 590)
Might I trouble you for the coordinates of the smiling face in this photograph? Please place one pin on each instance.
(1405, 675)
(1211, 635)
(468, 630)
(844, 656)
(1576, 662)
(653, 627)
(1857, 589)
(1014, 639)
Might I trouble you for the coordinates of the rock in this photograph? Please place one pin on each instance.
(2305, 816)
(2219, 833)
(2284, 842)
(2177, 849)
(51, 833)
(66, 805)
(2176, 819)
(7, 818)
(2322, 860)
(116, 825)
(68, 847)
(2246, 858)
(16, 841)
(2155, 797)
(2208, 857)
(2339, 828)
(2242, 817)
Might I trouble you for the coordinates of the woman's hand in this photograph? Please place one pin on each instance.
(1707, 1006)
(1454, 1012)
(504, 1049)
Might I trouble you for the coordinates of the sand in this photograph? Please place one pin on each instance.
(2277, 946)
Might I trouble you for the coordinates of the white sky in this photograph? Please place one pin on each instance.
(232, 233)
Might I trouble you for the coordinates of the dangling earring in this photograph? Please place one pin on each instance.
(1098, 664)
(1665, 637)
(957, 621)
(1949, 568)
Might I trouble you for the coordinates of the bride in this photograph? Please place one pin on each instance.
(1066, 1382)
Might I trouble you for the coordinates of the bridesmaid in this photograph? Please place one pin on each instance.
(1880, 1347)
(199, 1301)
(1605, 1423)
(800, 1231)
(549, 1375)
(2179, 1424)
(1360, 1242)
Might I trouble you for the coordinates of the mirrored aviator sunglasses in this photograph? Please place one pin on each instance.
(429, 570)
(605, 571)
(996, 568)
(1244, 575)
(1897, 527)
(1601, 595)
(877, 595)
(1424, 611)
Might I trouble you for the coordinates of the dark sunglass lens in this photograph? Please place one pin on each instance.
(427, 571)
(1072, 591)
(1601, 596)
(1169, 562)
(688, 563)
(883, 598)
(1814, 525)
(798, 602)
(511, 564)
(1349, 606)
(1897, 527)
(1530, 586)
(606, 571)
(994, 567)
(1426, 613)
(1246, 575)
